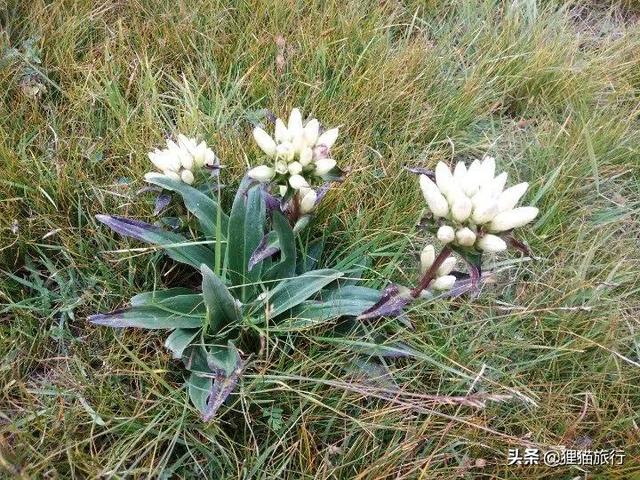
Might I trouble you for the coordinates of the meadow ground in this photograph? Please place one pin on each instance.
(551, 89)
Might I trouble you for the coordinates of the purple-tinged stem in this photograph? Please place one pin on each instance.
(431, 272)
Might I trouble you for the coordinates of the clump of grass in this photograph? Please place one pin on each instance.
(413, 83)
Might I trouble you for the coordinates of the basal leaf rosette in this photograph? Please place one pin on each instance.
(298, 160)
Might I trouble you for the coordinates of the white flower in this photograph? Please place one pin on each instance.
(264, 141)
(328, 138)
(461, 208)
(459, 173)
(513, 219)
(472, 201)
(295, 123)
(297, 182)
(435, 200)
(262, 173)
(324, 166)
(487, 169)
(281, 132)
(295, 168)
(510, 197)
(491, 243)
(427, 257)
(465, 237)
(285, 151)
(282, 189)
(446, 234)
(294, 148)
(181, 158)
(306, 155)
(484, 210)
(443, 283)
(163, 161)
(308, 202)
(187, 176)
(445, 182)
(447, 265)
(172, 175)
(311, 131)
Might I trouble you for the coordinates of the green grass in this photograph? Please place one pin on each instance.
(551, 89)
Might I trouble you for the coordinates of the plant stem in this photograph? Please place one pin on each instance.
(430, 274)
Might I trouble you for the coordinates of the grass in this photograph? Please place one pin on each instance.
(551, 89)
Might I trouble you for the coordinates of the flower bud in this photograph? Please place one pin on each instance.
(465, 237)
(159, 160)
(172, 175)
(308, 202)
(446, 266)
(295, 123)
(298, 143)
(497, 184)
(427, 257)
(264, 141)
(306, 155)
(487, 169)
(199, 154)
(461, 208)
(491, 243)
(324, 166)
(443, 283)
(282, 189)
(311, 131)
(297, 182)
(328, 138)
(262, 173)
(436, 202)
(513, 219)
(471, 181)
(210, 158)
(446, 234)
(187, 176)
(485, 209)
(510, 197)
(281, 132)
(444, 180)
(459, 173)
(295, 168)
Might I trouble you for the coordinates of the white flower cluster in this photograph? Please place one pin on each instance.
(180, 159)
(299, 153)
(443, 280)
(473, 204)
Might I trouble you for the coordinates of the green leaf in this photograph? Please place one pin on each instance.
(311, 258)
(180, 339)
(227, 366)
(175, 245)
(199, 388)
(293, 291)
(223, 357)
(286, 267)
(202, 206)
(181, 311)
(345, 301)
(156, 296)
(246, 229)
(222, 308)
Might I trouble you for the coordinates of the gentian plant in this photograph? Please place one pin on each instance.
(471, 213)
(214, 330)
